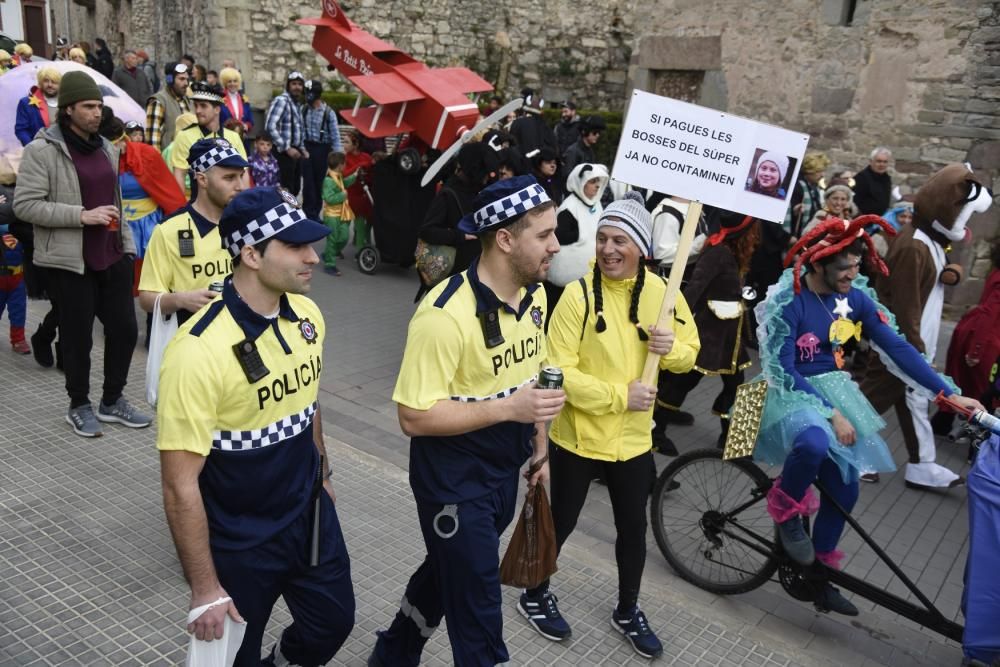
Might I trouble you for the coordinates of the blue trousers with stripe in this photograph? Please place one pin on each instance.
(458, 580)
(320, 599)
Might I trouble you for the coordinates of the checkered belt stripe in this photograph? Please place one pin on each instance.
(214, 157)
(502, 394)
(511, 206)
(272, 434)
(264, 227)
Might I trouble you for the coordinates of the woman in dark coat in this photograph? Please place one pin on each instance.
(715, 295)
(477, 166)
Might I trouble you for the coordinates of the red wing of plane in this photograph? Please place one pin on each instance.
(409, 96)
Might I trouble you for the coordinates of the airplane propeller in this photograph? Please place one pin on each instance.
(447, 155)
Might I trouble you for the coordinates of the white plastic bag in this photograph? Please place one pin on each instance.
(162, 331)
(218, 652)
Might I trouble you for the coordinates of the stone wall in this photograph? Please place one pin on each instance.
(919, 77)
(551, 46)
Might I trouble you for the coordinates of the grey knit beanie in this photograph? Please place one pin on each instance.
(629, 214)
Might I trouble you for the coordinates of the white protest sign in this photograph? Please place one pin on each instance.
(708, 156)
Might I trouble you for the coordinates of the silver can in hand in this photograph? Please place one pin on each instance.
(551, 377)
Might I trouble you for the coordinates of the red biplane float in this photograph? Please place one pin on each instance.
(431, 103)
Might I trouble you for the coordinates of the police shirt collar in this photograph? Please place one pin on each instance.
(201, 223)
(487, 300)
(251, 322)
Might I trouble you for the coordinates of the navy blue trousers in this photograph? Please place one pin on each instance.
(320, 599)
(458, 580)
(809, 460)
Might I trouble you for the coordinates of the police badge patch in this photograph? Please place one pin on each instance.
(222, 143)
(288, 197)
(536, 316)
(308, 330)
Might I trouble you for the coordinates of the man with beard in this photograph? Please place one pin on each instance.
(207, 102)
(164, 107)
(284, 124)
(567, 130)
(185, 254)
(467, 398)
(815, 422)
(67, 188)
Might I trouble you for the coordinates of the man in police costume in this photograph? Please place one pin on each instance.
(207, 102)
(467, 398)
(241, 444)
(185, 254)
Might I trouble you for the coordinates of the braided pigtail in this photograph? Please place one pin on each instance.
(633, 309)
(600, 324)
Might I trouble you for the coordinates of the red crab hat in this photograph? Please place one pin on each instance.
(833, 235)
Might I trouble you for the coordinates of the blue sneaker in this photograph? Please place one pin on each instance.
(797, 544)
(635, 627)
(543, 614)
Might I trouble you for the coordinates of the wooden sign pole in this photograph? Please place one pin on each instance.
(651, 370)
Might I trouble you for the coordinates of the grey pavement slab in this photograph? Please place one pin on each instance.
(91, 576)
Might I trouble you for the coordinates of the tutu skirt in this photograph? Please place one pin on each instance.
(786, 415)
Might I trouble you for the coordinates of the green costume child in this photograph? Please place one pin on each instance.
(337, 213)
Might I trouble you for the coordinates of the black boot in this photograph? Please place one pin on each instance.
(661, 443)
(721, 442)
(41, 345)
(831, 600)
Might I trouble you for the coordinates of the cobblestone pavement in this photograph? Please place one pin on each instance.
(90, 575)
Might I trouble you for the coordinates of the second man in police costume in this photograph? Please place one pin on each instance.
(185, 254)
(241, 444)
(467, 398)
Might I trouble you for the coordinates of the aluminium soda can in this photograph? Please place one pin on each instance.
(551, 377)
(216, 286)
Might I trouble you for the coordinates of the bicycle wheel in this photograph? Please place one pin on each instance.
(710, 521)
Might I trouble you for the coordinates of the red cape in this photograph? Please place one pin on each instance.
(147, 165)
(977, 335)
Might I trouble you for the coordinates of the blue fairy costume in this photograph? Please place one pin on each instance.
(801, 355)
(801, 336)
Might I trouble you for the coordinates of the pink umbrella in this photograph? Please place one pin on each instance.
(17, 83)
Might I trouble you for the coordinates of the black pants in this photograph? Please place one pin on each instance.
(313, 172)
(106, 295)
(629, 485)
(672, 389)
(290, 173)
(49, 327)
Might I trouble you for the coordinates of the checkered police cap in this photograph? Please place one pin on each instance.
(207, 153)
(503, 201)
(261, 228)
(259, 214)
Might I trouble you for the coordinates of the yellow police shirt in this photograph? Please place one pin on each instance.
(187, 138)
(447, 358)
(165, 270)
(257, 436)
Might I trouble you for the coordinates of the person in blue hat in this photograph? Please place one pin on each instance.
(467, 398)
(246, 484)
(185, 254)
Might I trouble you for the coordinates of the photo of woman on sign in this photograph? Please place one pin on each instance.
(770, 173)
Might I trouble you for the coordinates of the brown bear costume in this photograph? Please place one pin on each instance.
(914, 292)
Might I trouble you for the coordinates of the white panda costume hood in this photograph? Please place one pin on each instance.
(573, 259)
